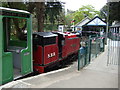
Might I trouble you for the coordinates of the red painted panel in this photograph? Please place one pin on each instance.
(71, 36)
(50, 53)
(37, 55)
(72, 44)
(40, 69)
(64, 48)
(64, 51)
(57, 40)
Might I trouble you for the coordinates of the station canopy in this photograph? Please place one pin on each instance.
(97, 21)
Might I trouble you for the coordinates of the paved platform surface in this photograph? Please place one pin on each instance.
(96, 75)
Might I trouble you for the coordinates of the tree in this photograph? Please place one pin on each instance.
(104, 12)
(78, 16)
(19, 27)
(114, 8)
(69, 17)
(53, 10)
(53, 13)
(83, 12)
(111, 10)
(40, 9)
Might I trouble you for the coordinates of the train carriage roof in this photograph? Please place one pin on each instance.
(45, 34)
(14, 10)
(61, 33)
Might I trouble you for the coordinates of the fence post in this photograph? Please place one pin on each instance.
(78, 59)
(96, 46)
(103, 44)
(86, 50)
(89, 50)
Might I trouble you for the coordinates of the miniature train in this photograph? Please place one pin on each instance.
(49, 48)
(21, 52)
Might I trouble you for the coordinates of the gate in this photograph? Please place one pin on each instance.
(113, 45)
(90, 48)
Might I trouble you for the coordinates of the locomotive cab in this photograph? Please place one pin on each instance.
(68, 44)
(45, 49)
(61, 41)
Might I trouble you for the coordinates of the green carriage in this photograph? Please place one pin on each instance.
(15, 44)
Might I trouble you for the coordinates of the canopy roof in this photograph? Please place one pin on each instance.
(83, 22)
(96, 21)
(13, 10)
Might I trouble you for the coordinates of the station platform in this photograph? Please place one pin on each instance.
(96, 75)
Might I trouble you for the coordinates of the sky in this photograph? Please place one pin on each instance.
(76, 4)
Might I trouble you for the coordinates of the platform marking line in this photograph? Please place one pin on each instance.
(46, 73)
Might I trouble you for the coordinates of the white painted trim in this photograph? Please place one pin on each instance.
(48, 73)
(15, 10)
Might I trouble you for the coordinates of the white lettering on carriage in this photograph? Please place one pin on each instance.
(51, 55)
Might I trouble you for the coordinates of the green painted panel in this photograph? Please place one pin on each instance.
(26, 61)
(7, 68)
(18, 43)
(7, 60)
(26, 54)
(1, 32)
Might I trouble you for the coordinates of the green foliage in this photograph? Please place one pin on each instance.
(17, 5)
(83, 12)
(104, 12)
(4, 4)
(111, 10)
(114, 11)
(78, 16)
(53, 11)
(50, 27)
(68, 19)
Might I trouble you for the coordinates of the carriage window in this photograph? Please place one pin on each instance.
(15, 32)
